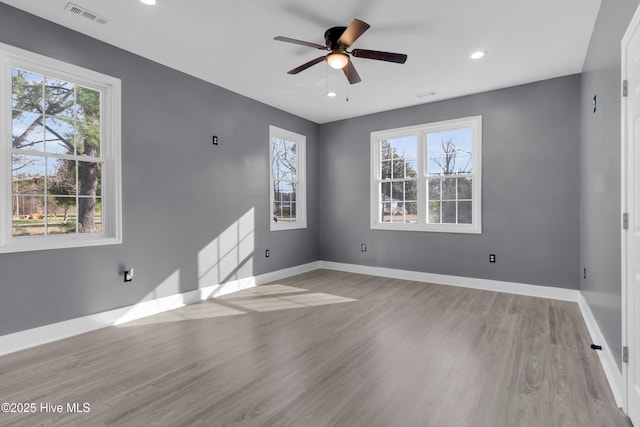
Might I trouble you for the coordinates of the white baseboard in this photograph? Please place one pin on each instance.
(53, 332)
(287, 272)
(56, 331)
(607, 360)
(550, 292)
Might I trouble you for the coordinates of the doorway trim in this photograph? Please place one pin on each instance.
(624, 200)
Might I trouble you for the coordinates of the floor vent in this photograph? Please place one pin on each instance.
(80, 11)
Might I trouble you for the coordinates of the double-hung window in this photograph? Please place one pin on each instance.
(287, 179)
(60, 154)
(428, 177)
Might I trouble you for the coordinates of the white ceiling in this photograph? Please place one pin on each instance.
(231, 45)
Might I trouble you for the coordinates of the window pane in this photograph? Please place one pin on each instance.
(397, 212)
(386, 169)
(434, 141)
(397, 192)
(398, 169)
(453, 149)
(284, 206)
(385, 150)
(462, 138)
(464, 164)
(412, 168)
(411, 212)
(386, 191)
(30, 221)
(284, 159)
(448, 212)
(61, 215)
(59, 98)
(88, 105)
(88, 140)
(284, 211)
(410, 190)
(398, 158)
(27, 131)
(87, 215)
(27, 174)
(61, 177)
(434, 213)
(449, 189)
(434, 166)
(88, 178)
(26, 91)
(60, 135)
(458, 140)
(386, 212)
(411, 148)
(434, 189)
(464, 188)
(464, 213)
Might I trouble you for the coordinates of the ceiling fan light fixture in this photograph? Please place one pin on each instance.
(337, 60)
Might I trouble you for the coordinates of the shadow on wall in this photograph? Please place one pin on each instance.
(225, 265)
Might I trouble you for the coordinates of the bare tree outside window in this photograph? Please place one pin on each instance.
(449, 181)
(284, 167)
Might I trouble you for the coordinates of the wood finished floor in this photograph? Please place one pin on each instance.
(326, 349)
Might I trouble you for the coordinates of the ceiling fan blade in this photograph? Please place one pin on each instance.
(353, 31)
(307, 65)
(301, 42)
(399, 58)
(351, 73)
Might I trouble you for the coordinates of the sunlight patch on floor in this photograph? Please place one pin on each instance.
(259, 299)
(264, 290)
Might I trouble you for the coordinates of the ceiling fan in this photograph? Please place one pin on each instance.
(337, 41)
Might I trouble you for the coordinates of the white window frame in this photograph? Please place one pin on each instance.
(421, 132)
(301, 190)
(109, 88)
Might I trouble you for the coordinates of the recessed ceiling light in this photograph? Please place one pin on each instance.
(148, 2)
(478, 54)
(331, 94)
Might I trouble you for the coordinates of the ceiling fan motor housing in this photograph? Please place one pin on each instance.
(331, 37)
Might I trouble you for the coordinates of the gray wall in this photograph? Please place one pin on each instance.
(180, 192)
(600, 170)
(530, 194)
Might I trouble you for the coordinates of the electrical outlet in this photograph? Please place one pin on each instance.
(267, 253)
(128, 275)
(584, 273)
(363, 248)
(492, 257)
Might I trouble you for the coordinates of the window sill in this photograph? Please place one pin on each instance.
(279, 226)
(430, 228)
(37, 243)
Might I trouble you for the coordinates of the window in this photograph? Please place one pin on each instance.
(287, 179)
(60, 175)
(428, 177)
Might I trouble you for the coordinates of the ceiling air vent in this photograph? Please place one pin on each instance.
(80, 11)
